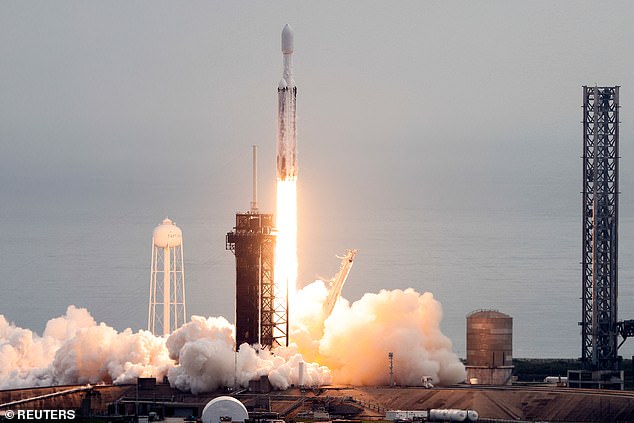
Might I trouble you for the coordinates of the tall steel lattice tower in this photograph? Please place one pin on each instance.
(600, 329)
(167, 310)
(600, 209)
(253, 244)
(259, 317)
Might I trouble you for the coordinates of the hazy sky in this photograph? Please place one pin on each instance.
(116, 114)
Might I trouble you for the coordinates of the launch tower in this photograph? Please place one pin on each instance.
(258, 318)
(600, 211)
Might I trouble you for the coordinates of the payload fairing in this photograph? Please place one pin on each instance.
(287, 130)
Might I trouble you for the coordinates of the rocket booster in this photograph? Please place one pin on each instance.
(287, 131)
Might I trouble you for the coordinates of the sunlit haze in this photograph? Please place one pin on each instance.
(440, 139)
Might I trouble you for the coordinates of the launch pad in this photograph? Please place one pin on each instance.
(356, 404)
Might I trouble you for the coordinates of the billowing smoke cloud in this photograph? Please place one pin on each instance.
(75, 349)
(203, 349)
(198, 357)
(351, 346)
(100, 353)
(355, 340)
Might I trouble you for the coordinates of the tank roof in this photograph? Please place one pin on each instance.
(488, 314)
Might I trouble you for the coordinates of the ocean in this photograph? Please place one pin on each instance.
(521, 257)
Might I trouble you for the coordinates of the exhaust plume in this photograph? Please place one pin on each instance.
(349, 347)
(203, 349)
(198, 357)
(357, 337)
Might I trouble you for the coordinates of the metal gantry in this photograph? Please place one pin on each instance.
(599, 328)
(253, 243)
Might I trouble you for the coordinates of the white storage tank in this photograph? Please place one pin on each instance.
(452, 415)
(301, 373)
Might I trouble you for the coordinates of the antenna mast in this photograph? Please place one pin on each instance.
(254, 201)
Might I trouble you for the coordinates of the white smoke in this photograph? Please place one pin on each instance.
(351, 346)
(24, 360)
(203, 348)
(198, 357)
(355, 340)
(75, 349)
(100, 353)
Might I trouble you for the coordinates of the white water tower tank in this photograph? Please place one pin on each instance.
(167, 234)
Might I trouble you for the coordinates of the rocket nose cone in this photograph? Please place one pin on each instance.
(287, 39)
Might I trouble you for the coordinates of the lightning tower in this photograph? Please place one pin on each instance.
(600, 216)
(167, 308)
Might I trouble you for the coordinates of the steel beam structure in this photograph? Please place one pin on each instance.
(600, 205)
(253, 243)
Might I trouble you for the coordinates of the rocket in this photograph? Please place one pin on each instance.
(287, 131)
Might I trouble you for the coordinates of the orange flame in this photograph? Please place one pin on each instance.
(286, 243)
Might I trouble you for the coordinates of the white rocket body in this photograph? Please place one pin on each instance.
(286, 125)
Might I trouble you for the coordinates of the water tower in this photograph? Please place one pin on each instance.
(167, 280)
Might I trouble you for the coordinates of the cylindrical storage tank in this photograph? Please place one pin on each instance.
(447, 415)
(225, 408)
(489, 339)
(300, 376)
